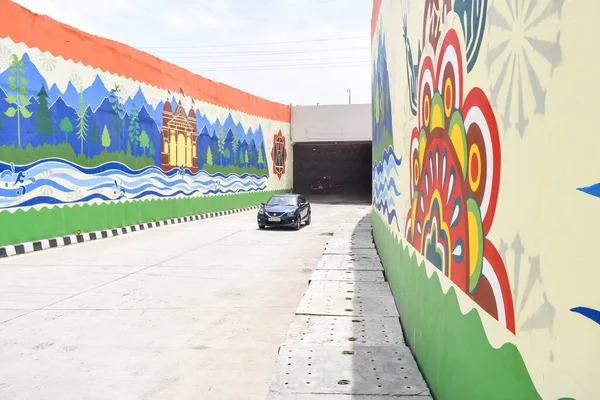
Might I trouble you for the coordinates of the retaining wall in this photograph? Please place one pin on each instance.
(485, 192)
(95, 134)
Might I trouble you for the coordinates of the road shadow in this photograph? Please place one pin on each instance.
(280, 229)
(390, 378)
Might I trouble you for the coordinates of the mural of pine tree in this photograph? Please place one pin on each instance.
(43, 118)
(235, 145)
(82, 121)
(250, 141)
(134, 129)
(209, 157)
(260, 160)
(18, 100)
(221, 143)
(94, 136)
(117, 109)
(105, 138)
(241, 158)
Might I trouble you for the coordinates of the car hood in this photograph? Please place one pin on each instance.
(279, 209)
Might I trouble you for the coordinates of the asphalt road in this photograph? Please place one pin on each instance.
(190, 311)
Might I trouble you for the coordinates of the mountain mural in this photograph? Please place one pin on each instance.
(97, 124)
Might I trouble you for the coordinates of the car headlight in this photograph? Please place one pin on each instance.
(261, 211)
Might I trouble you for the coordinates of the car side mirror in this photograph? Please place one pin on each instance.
(262, 204)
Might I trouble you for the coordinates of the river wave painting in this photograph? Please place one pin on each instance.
(55, 181)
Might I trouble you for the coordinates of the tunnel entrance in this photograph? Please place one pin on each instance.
(333, 172)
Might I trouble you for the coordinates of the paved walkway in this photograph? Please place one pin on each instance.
(189, 311)
(345, 341)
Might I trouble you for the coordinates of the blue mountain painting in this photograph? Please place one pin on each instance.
(97, 129)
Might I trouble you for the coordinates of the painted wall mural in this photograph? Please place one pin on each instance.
(385, 162)
(72, 134)
(455, 177)
(62, 140)
(278, 154)
(473, 106)
(524, 49)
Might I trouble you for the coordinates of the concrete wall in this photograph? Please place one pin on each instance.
(349, 122)
(95, 134)
(486, 194)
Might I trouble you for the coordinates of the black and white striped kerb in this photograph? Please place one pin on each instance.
(23, 248)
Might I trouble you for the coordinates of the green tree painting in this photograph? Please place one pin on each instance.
(209, 157)
(0, 123)
(241, 158)
(152, 152)
(94, 136)
(144, 142)
(82, 119)
(117, 109)
(261, 160)
(227, 155)
(235, 146)
(221, 143)
(66, 127)
(105, 138)
(18, 100)
(246, 158)
(134, 129)
(44, 125)
(251, 155)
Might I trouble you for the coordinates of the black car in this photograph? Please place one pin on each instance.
(285, 210)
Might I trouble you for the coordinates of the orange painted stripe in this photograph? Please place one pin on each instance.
(24, 26)
(375, 16)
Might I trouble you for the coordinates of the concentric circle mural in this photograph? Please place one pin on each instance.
(455, 177)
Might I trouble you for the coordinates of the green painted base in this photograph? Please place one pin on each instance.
(25, 226)
(451, 349)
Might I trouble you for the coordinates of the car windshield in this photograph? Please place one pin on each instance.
(283, 201)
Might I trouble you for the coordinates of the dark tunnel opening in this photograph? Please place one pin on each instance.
(333, 172)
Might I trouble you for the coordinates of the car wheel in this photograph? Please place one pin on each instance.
(261, 227)
(298, 223)
(308, 219)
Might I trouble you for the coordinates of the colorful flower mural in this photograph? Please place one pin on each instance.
(434, 17)
(455, 177)
(472, 15)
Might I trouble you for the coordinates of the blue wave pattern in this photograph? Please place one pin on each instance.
(385, 192)
(55, 181)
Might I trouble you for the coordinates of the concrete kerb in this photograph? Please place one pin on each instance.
(29, 247)
(346, 340)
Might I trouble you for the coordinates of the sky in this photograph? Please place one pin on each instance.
(303, 52)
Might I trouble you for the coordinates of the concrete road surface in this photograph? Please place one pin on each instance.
(190, 311)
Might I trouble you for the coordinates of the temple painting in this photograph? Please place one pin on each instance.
(179, 139)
